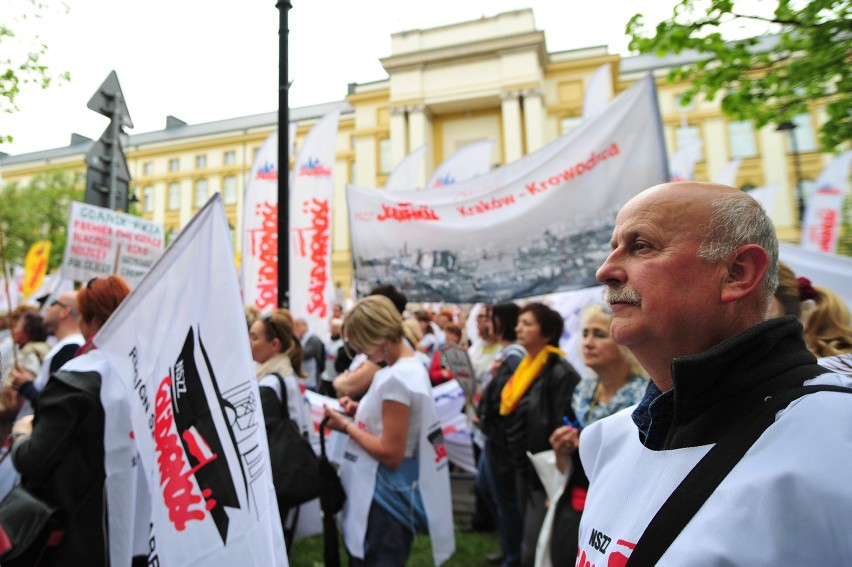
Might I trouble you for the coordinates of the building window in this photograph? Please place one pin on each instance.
(741, 139)
(174, 165)
(680, 107)
(353, 179)
(229, 158)
(804, 133)
(174, 196)
(385, 164)
(148, 168)
(200, 193)
(148, 199)
(229, 192)
(200, 161)
(569, 123)
(254, 154)
(687, 136)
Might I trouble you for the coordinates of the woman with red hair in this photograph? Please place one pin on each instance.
(60, 451)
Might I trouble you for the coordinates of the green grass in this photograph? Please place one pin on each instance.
(471, 550)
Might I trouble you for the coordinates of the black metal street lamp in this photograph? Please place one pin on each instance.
(800, 197)
(284, 7)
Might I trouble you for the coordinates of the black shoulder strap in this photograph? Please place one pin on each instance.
(285, 409)
(710, 471)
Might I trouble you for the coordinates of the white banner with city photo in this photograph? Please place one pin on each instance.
(539, 225)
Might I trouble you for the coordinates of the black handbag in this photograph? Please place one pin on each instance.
(295, 466)
(28, 526)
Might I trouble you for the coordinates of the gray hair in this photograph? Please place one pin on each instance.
(738, 220)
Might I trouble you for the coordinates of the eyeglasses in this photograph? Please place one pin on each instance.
(60, 304)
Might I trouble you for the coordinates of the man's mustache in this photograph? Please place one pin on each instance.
(622, 294)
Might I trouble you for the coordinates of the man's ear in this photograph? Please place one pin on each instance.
(745, 271)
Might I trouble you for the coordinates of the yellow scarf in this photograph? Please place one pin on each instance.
(526, 373)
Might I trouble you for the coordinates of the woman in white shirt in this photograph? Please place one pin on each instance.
(395, 470)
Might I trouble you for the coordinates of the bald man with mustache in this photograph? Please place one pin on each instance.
(690, 277)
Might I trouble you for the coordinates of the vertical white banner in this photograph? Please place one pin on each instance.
(598, 91)
(728, 174)
(682, 163)
(765, 196)
(823, 214)
(465, 163)
(259, 258)
(188, 379)
(311, 195)
(406, 173)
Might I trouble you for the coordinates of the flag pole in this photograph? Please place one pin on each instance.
(8, 297)
(284, 7)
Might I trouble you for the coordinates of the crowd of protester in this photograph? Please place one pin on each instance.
(380, 358)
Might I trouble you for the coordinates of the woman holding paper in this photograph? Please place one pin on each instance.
(533, 403)
(619, 382)
(60, 451)
(395, 471)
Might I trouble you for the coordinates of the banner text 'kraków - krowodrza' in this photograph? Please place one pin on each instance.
(538, 225)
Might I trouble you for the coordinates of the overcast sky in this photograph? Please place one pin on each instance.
(209, 60)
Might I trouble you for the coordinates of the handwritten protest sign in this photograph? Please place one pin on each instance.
(103, 242)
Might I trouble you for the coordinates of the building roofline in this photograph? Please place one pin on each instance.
(175, 133)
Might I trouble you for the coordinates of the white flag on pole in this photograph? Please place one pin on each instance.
(311, 195)
(728, 174)
(682, 163)
(766, 197)
(465, 163)
(406, 173)
(823, 214)
(179, 353)
(598, 91)
(259, 258)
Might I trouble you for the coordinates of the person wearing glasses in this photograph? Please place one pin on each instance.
(395, 470)
(60, 451)
(61, 319)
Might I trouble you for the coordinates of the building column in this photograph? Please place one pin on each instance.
(398, 134)
(773, 149)
(420, 134)
(533, 119)
(513, 134)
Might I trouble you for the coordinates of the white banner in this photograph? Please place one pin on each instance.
(683, 161)
(194, 404)
(823, 215)
(728, 174)
(598, 91)
(465, 163)
(259, 257)
(826, 270)
(407, 172)
(766, 196)
(534, 226)
(101, 242)
(311, 195)
(12, 284)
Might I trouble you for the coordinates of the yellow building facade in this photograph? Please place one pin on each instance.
(490, 78)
